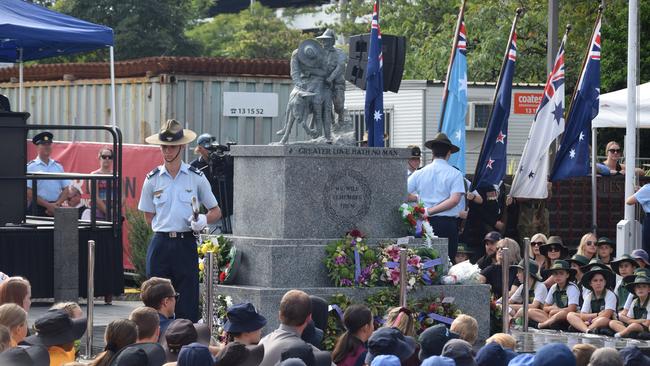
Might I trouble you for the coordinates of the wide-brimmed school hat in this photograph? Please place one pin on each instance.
(563, 266)
(533, 268)
(462, 248)
(642, 255)
(637, 281)
(416, 152)
(172, 133)
(55, 327)
(603, 240)
(243, 318)
(390, 341)
(594, 263)
(442, 139)
(624, 258)
(544, 248)
(610, 278)
(140, 354)
(638, 272)
(25, 356)
(45, 137)
(578, 259)
(239, 354)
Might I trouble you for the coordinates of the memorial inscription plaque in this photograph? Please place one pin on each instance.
(347, 197)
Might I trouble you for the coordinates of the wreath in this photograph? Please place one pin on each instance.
(227, 258)
(417, 223)
(351, 262)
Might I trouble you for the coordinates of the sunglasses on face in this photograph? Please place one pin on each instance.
(106, 157)
(615, 151)
(554, 249)
(536, 243)
(591, 243)
(176, 295)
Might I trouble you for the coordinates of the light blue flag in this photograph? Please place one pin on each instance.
(453, 122)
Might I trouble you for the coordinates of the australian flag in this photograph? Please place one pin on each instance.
(491, 166)
(573, 158)
(453, 121)
(374, 112)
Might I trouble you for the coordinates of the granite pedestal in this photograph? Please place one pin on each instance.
(66, 254)
(291, 201)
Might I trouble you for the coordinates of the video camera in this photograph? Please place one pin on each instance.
(221, 176)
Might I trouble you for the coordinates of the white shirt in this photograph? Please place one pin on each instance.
(435, 183)
(630, 313)
(49, 189)
(610, 302)
(572, 293)
(540, 293)
(628, 302)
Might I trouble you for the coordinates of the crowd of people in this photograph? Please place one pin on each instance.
(153, 336)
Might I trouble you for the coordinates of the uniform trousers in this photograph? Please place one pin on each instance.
(446, 227)
(646, 232)
(177, 259)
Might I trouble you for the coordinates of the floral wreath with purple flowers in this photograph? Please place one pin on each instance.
(351, 262)
(424, 265)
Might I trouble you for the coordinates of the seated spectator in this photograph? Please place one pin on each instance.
(148, 323)
(71, 308)
(638, 317)
(588, 246)
(14, 318)
(460, 351)
(179, 333)
(552, 250)
(25, 356)
(536, 242)
(238, 354)
(562, 298)
(536, 292)
(606, 357)
(141, 354)
(295, 313)
(194, 354)
(492, 274)
(105, 158)
(463, 253)
(466, 327)
(6, 340)
(350, 349)
(57, 331)
(640, 255)
(633, 356)
(490, 242)
(119, 334)
(492, 354)
(385, 360)
(624, 267)
(606, 250)
(158, 293)
(505, 340)
(390, 341)
(614, 155)
(583, 352)
(438, 361)
(577, 262)
(73, 200)
(16, 290)
(244, 324)
(433, 339)
(599, 304)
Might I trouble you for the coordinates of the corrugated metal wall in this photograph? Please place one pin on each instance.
(142, 103)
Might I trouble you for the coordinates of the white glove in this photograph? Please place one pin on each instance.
(199, 224)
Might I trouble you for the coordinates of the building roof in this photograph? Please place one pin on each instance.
(152, 66)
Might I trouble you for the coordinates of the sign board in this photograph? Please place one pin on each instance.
(241, 104)
(526, 103)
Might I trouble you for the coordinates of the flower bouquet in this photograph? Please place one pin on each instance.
(351, 262)
(391, 266)
(416, 221)
(434, 310)
(227, 258)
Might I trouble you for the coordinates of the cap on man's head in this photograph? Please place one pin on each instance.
(433, 339)
(43, 138)
(179, 333)
(492, 236)
(390, 341)
(205, 140)
(460, 351)
(554, 354)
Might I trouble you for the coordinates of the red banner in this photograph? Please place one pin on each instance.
(83, 157)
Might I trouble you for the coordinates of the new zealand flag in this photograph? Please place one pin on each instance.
(573, 158)
(491, 166)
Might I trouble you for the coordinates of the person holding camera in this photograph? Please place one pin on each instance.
(167, 199)
(202, 163)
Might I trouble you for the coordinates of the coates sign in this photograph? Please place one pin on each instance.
(526, 103)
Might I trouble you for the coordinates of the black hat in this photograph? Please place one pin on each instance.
(624, 258)
(24, 356)
(638, 272)
(243, 318)
(533, 269)
(562, 265)
(460, 351)
(179, 333)
(43, 138)
(389, 341)
(544, 248)
(493, 236)
(638, 280)
(433, 339)
(594, 263)
(55, 327)
(415, 151)
(442, 139)
(607, 241)
(239, 354)
(610, 278)
(307, 353)
(578, 259)
(140, 354)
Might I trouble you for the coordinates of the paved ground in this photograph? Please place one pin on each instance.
(103, 314)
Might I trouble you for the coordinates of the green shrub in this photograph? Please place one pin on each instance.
(139, 237)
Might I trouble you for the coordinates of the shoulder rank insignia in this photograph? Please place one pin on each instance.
(195, 170)
(153, 172)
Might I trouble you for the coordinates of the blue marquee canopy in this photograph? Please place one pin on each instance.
(43, 33)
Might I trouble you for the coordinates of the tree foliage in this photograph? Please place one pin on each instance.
(252, 33)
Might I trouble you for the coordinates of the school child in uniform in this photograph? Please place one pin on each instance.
(637, 318)
(643, 272)
(462, 253)
(563, 298)
(624, 267)
(536, 290)
(599, 305)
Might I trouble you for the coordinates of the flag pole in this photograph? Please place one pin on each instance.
(452, 56)
(519, 11)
